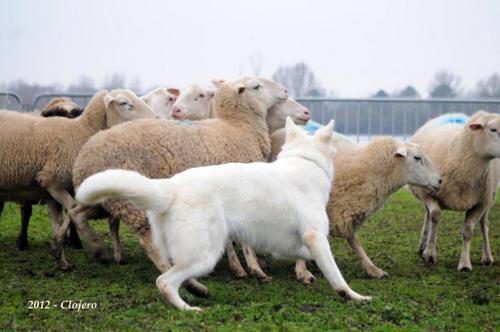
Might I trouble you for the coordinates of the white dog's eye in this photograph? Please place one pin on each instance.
(417, 158)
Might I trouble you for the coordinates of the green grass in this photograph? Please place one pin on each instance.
(413, 297)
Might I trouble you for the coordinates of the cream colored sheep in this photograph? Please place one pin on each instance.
(464, 156)
(364, 178)
(161, 100)
(37, 154)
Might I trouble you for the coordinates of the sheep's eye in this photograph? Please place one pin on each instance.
(123, 103)
(202, 95)
(418, 158)
(256, 87)
(493, 130)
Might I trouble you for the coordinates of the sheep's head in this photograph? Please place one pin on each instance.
(417, 168)
(318, 148)
(485, 130)
(161, 100)
(124, 105)
(276, 115)
(63, 107)
(193, 103)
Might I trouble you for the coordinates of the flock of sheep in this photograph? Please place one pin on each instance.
(450, 164)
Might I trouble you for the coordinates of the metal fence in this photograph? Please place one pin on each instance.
(361, 119)
(364, 118)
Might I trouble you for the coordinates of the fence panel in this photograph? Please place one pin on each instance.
(10, 101)
(363, 119)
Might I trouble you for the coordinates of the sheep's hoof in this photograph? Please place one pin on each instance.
(64, 266)
(265, 279)
(196, 288)
(306, 278)
(376, 272)
(21, 244)
(464, 267)
(241, 274)
(121, 261)
(430, 257)
(487, 260)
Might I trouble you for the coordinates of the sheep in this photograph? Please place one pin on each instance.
(56, 107)
(364, 178)
(464, 155)
(162, 148)
(37, 154)
(161, 100)
(62, 106)
(196, 103)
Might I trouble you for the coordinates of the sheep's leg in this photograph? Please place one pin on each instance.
(424, 235)
(302, 273)
(192, 285)
(370, 268)
(233, 261)
(322, 254)
(253, 264)
(486, 257)
(114, 228)
(80, 217)
(55, 216)
(430, 252)
(22, 239)
(74, 239)
(471, 217)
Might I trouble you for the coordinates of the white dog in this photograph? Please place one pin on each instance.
(275, 207)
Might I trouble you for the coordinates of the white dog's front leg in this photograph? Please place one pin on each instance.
(320, 250)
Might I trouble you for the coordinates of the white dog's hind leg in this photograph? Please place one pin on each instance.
(321, 251)
(169, 282)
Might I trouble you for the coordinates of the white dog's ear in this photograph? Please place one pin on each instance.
(291, 130)
(401, 152)
(108, 99)
(325, 133)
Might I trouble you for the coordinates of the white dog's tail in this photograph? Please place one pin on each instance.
(145, 193)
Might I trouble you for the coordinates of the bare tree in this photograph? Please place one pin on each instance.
(299, 79)
(408, 92)
(445, 85)
(489, 88)
(115, 81)
(84, 84)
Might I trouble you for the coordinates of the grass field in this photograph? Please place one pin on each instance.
(413, 297)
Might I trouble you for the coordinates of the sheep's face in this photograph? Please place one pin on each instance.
(418, 167)
(161, 101)
(485, 129)
(317, 147)
(276, 115)
(124, 105)
(264, 93)
(193, 103)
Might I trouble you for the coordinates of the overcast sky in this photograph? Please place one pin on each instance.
(354, 47)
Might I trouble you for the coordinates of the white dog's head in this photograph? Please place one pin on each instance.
(317, 148)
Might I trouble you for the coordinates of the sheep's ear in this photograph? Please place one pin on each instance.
(325, 133)
(108, 99)
(174, 92)
(401, 152)
(291, 130)
(217, 82)
(239, 88)
(477, 125)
